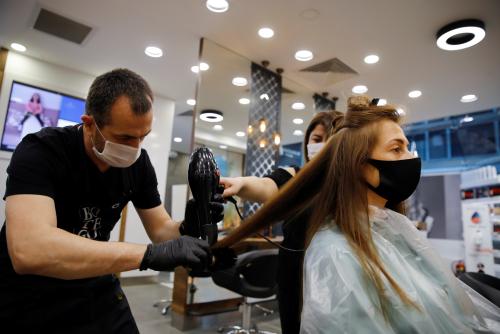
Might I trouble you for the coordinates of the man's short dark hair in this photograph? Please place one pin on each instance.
(108, 87)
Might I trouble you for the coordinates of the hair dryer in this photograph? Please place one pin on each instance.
(203, 177)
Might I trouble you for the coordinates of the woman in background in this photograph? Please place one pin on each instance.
(366, 269)
(321, 127)
(33, 108)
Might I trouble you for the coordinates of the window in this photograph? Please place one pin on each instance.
(438, 144)
(478, 139)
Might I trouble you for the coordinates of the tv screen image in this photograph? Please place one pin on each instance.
(31, 108)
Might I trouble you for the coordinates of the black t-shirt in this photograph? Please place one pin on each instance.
(88, 202)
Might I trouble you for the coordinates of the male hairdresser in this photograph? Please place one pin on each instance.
(65, 191)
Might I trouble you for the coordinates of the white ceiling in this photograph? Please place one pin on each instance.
(401, 32)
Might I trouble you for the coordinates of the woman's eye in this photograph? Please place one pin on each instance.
(397, 149)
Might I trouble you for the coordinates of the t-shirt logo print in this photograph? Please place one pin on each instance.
(91, 219)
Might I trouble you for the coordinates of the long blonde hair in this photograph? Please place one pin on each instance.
(334, 186)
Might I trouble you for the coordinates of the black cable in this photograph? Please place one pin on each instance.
(232, 200)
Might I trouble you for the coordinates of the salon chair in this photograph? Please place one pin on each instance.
(252, 276)
(486, 285)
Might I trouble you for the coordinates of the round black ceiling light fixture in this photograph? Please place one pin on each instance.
(211, 115)
(460, 34)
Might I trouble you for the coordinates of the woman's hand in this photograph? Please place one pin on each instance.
(232, 185)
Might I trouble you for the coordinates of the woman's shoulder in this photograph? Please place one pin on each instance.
(327, 240)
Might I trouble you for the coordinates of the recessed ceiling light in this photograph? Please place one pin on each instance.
(218, 127)
(178, 139)
(467, 119)
(460, 35)
(298, 121)
(217, 6)
(468, 98)
(240, 134)
(304, 55)
(414, 94)
(266, 32)
(153, 51)
(18, 47)
(371, 59)
(239, 81)
(298, 106)
(191, 102)
(244, 100)
(359, 89)
(381, 102)
(204, 66)
(298, 133)
(195, 69)
(211, 116)
(401, 111)
(223, 147)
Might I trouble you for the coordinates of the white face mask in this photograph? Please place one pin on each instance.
(312, 149)
(116, 155)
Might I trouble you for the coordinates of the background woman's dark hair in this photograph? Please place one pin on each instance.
(330, 121)
(39, 98)
(108, 87)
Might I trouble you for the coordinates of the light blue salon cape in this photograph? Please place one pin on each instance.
(338, 299)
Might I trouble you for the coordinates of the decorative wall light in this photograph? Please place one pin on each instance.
(262, 143)
(250, 129)
(262, 125)
(277, 139)
(212, 116)
(460, 35)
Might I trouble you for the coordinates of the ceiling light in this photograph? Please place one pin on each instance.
(244, 100)
(468, 98)
(239, 81)
(298, 121)
(298, 133)
(223, 147)
(460, 35)
(195, 69)
(298, 106)
(217, 6)
(191, 102)
(178, 139)
(414, 94)
(381, 102)
(371, 59)
(204, 66)
(467, 119)
(240, 134)
(18, 47)
(153, 51)
(401, 111)
(304, 55)
(266, 32)
(211, 116)
(218, 127)
(359, 89)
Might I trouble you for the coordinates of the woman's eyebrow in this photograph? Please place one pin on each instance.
(398, 141)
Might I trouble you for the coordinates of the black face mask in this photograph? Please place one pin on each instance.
(398, 178)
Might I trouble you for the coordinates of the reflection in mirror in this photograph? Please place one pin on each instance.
(229, 100)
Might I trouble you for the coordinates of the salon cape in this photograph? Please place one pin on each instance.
(337, 298)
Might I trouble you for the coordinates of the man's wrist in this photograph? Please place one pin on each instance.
(146, 258)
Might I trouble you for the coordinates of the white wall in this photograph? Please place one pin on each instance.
(72, 82)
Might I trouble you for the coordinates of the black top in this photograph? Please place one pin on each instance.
(289, 276)
(88, 202)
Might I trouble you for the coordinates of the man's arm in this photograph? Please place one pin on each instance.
(37, 246)
(158, 224)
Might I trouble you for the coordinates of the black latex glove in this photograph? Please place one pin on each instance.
(191, 225)
(184, 251)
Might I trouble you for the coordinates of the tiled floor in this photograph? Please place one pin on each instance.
(143, 293)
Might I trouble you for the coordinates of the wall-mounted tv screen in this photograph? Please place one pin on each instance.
(31, 108)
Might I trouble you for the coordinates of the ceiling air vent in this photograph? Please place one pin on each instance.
(333, 65)
(60, 26)
(325, 74)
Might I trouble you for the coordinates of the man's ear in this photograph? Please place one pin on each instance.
(87, 120)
